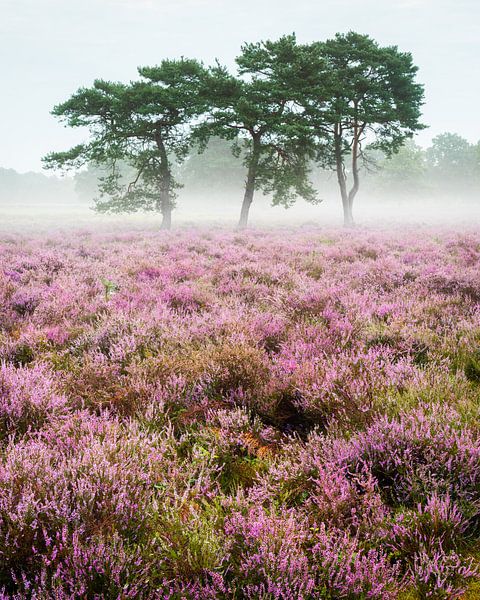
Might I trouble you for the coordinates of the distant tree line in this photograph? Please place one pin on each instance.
(449, 166)
(23, 188)
(287, 107)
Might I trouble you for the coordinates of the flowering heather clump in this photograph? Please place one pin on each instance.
(441, 575)
(265, 414)
(424, 452)
(28, 399)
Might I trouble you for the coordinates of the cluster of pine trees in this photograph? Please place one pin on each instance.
(288, 106)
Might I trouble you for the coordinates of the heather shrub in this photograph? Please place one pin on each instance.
(24, 302)
(419, 453)
(345, 570)
(186, 298)
(213, 415)
(28, 399)
(217, 369)
(345, 388)
(279, 556)
(322, 491)
(313, 266)
(233, 366)
(75, 568)
(290, 479)
(269, 329)
(98, 384)
(451, 282)
(353, 504)
(75, 477)
(441, 575)
(439, 524)
(428, 544)
(267, 556)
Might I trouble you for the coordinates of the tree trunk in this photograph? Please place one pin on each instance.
(348, 215)
(342, 179)
(165, 204)
(356, 178)
(166, 217)
(250, 183)
(247, 201)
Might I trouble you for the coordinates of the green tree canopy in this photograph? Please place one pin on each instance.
(256, 110)
(453, 161)
(402, 173)
(143, 124)
(364, 94)
(287, 105)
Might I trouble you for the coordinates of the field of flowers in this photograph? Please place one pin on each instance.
(288, 414)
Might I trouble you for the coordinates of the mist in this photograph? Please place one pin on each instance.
(211, 195)
(459, 210)
(53, 49)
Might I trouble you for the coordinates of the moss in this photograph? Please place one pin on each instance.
(240, 472)
(187, 540)
(23, 355)
(472, 366)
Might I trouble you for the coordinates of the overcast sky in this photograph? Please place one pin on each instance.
(48, 48)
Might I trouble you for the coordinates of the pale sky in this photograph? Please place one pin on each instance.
(49, 48)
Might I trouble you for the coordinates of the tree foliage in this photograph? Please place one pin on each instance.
(404, 172)
(256, 110)
(145, 124)
(365, 94)
(287, 105)
(454, 161)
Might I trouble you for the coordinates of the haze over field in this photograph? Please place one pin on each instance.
(50, 48)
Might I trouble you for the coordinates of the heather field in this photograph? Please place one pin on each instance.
(279, 414)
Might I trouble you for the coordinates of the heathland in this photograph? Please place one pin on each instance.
(257, 414)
